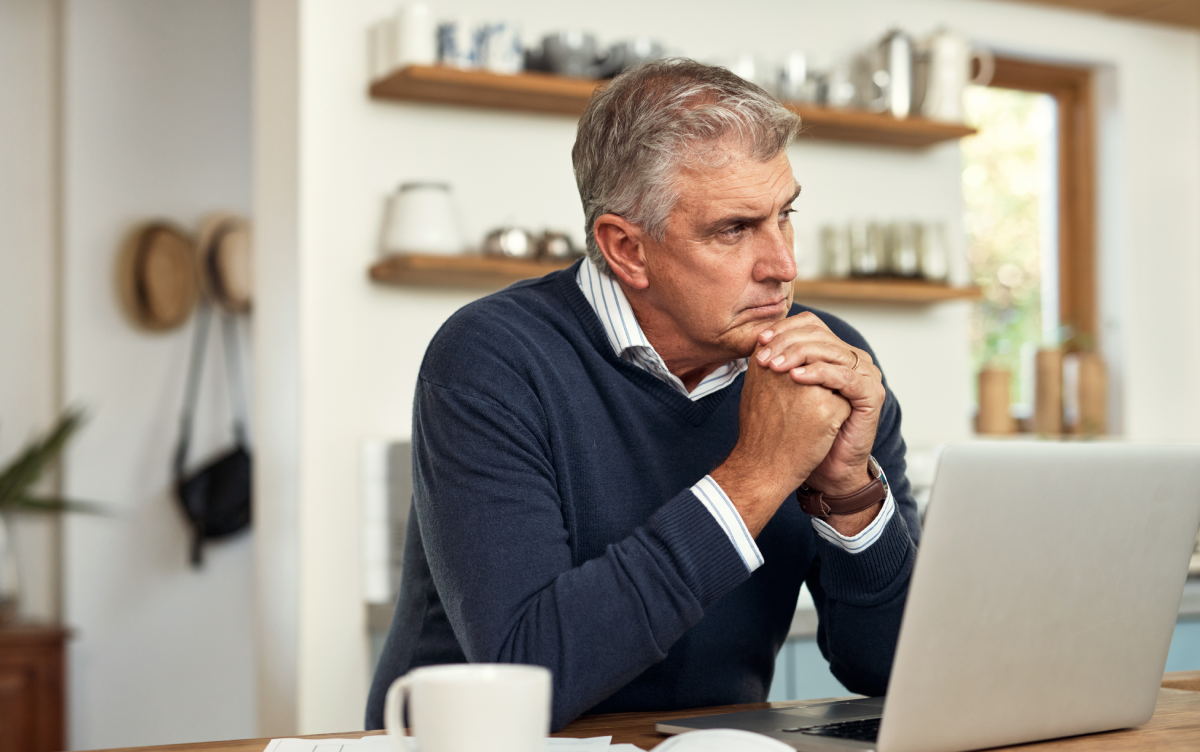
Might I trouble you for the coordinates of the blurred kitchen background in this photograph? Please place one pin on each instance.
(1039, 277)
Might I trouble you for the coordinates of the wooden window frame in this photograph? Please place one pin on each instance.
(1072, 90)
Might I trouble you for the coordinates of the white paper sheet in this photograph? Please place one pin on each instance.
(381, 743)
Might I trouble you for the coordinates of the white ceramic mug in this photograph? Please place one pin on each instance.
(416, 39)
(498, 707)
(458, 43)
(403, 39)
(500, 48)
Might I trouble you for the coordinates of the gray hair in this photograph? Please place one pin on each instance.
(652, 121)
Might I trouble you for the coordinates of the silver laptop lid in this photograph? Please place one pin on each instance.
(1045, 593)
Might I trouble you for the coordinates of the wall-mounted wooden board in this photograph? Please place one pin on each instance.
(492, 273)
(473, 272)
(542, 92)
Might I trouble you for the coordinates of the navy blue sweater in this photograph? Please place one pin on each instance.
(553, 524)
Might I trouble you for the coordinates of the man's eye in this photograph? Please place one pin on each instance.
(733, 231)
(783, 215)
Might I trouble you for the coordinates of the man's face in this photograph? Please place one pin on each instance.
(724, 270)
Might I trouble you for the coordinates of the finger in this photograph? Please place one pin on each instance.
(860, 389)
(799, 321)
(830, 347)
(787, 353)
(789, 339)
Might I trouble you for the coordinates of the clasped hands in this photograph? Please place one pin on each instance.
(809, 411)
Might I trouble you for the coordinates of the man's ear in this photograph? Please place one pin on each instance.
(621, 243)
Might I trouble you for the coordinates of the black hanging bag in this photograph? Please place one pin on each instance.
(215, 498)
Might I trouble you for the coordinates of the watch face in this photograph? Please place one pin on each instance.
(876, 470)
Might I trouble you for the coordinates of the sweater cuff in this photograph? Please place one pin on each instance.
(869, 576)
(705, 558)
(721, 507)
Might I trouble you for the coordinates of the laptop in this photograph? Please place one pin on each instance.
(1042, 603)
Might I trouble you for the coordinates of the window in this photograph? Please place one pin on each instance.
(1028, 196)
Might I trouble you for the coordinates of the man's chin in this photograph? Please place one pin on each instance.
(755, 321)
(747, 342)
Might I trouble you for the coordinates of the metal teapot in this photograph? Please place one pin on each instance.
(885, 75)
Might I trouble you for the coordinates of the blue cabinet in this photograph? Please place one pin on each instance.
(801, 672)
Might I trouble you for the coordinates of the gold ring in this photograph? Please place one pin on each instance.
(855, 366)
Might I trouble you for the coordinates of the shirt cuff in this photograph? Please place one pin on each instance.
(726, 515)
(868, 535)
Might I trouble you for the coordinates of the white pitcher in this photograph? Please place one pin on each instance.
(420, 218)
(944, 61)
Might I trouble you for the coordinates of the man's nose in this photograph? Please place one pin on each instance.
(777, 256)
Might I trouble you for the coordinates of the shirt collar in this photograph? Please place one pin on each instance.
(628, 340)
(612, 308)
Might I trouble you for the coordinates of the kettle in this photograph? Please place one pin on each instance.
(943, 63)
(510, 242)
(884, 75)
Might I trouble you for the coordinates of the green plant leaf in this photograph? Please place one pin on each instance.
(38, 454)
(54, 505)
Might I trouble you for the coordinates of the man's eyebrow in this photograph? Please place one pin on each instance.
(744, 219)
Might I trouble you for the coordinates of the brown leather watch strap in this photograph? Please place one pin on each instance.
(817, 504)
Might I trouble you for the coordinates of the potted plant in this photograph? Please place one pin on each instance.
(17, 480)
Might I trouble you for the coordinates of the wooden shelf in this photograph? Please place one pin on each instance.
(475, 272)
(528, 92)
(861, 127)
(491, 273)
(909, 291)
(543, 92)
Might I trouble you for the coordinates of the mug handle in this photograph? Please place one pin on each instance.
(987, 66)
(393, 704)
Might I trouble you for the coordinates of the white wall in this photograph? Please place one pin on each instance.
(156, 120)
(276, 329)
(358, 345)
(28, 271)
(157, 124)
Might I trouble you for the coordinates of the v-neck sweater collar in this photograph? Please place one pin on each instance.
(693, 412)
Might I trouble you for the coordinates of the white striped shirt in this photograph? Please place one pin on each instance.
(630, 344)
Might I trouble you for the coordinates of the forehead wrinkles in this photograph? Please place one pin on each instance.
(701, 188)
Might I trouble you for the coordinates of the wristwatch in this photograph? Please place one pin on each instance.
(817, 504)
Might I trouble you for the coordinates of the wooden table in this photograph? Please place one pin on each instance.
(1174, 727)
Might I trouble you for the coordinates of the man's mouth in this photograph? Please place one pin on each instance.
(771, 308)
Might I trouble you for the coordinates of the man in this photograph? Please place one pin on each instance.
(607, 459)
